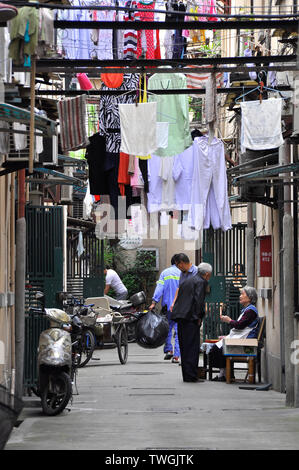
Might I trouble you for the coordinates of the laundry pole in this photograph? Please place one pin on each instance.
(32, 105)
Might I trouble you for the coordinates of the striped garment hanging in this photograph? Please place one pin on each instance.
(72, 118)
(197, 80)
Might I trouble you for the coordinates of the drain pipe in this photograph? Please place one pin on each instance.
(288, 281)
(250, 261)
(20, 302)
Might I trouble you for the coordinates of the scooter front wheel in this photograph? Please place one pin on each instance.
(56, 394)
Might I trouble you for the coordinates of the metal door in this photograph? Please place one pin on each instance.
(226, 252)
(44, 271)
(85, 275)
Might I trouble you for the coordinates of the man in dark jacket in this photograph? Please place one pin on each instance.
(188, 311)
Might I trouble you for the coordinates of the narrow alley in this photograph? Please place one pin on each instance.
(145, 405)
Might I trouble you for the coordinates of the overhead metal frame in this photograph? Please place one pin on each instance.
(286, 25)
(186, 91)
(10, 113)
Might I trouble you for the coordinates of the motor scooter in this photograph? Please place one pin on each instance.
(55, 365)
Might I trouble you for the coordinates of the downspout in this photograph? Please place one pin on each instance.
(20, 264)
(288, 281)
(12, 280)
(250, 255)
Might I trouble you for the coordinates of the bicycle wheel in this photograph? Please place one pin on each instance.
(85, 348)
(122, 344)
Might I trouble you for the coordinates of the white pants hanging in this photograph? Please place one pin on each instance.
(209, 170)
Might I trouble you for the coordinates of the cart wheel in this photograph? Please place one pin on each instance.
(122, 344)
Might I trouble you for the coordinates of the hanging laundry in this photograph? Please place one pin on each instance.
(212, 217)
(173, 109)
(136, 180)
(248, 53)
(211, 99)
(180, 42)
(162, 134)
(123, 172)
(145, 38)
(24, 35)
(87, 203)
(109, 120)
(168, 185)
(138, 126)
(130, 35)
(20, 140)
(112, 80)
(46, 37)
(209, 170)
(171, 6)
(211, 105)
(80, 246)
(182, 173)
(261, 124)
(5, 68)
(154, 196)
(199, 80)
(72, 118)
(68, 40)
(98, 165)
(84, 82)
(102, 39)
(103, 170)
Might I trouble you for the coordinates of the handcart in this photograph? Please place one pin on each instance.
(110, 326)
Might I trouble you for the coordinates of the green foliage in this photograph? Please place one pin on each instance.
(109, 255)
(142, 276)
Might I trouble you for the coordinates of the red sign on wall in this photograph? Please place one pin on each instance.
(265, 256)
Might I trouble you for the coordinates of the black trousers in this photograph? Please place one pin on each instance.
(216, 358)
(188, 334)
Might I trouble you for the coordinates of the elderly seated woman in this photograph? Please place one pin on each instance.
(246, 326)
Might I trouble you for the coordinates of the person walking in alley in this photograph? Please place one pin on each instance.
(114, 282)
(187, 270)
(188, 311)
(166, 289)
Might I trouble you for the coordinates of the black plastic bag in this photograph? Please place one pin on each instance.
(151, 330)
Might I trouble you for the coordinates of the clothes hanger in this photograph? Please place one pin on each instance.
(261, 87)
(172, 119)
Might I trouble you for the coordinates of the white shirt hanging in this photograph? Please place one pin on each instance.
(261, 124)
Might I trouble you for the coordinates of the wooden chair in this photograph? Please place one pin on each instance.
(254, 362)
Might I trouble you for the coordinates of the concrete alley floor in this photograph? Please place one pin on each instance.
(144, 404)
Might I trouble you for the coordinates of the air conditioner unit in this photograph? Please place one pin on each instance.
(15, 144)
(49, 156)
(66, 193)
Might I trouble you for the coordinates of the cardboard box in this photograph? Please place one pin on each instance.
(240, 347)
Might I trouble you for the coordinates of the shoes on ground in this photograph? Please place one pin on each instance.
(175, 359)
(194, 380)
(219, 379)
(168, 356)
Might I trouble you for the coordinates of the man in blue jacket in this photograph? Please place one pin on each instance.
(166, 288)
